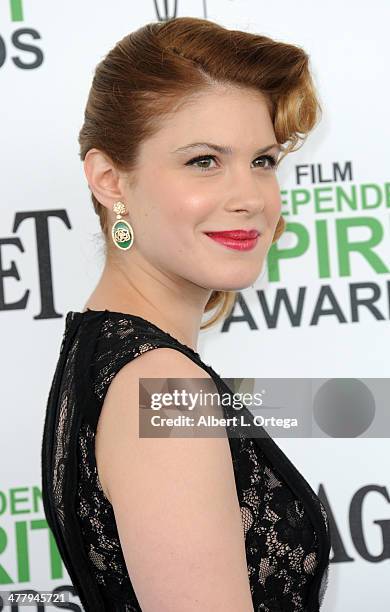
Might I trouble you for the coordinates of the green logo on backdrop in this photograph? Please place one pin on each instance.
(16, 7)
(337, 211)
(24, 506)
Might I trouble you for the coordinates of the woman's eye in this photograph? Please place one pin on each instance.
(201, 158)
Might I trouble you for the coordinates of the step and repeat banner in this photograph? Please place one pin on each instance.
(321, 310)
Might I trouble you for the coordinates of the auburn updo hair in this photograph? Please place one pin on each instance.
(150, 72)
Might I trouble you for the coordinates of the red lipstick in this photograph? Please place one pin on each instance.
(239, 239)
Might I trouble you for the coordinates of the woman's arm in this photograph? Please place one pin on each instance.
(174, 499)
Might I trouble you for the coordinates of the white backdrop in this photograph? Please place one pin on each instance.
(48, 51)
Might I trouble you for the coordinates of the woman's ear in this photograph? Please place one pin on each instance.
(103, 177)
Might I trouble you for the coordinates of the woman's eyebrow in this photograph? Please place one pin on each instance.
(223, 149)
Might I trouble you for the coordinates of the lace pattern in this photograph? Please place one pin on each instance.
(63, 426)
(282, 543)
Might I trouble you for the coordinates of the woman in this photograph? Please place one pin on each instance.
(221, 523)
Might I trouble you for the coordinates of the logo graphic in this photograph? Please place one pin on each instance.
(20, 49)
(16, 8)
(166, 13)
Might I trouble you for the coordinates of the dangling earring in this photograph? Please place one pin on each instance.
(122, 233)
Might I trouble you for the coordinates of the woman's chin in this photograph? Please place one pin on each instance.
(239, 286)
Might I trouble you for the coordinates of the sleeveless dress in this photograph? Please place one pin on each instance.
(285, 525)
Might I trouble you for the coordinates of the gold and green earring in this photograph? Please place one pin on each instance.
(122, 232)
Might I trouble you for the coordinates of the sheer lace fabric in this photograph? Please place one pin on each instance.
(285, 525)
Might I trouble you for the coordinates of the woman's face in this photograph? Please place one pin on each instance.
(176, 200)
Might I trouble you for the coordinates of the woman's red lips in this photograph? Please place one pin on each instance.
(239, 240)
(236, 234)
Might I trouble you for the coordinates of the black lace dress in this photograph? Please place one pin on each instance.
(286, 528)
